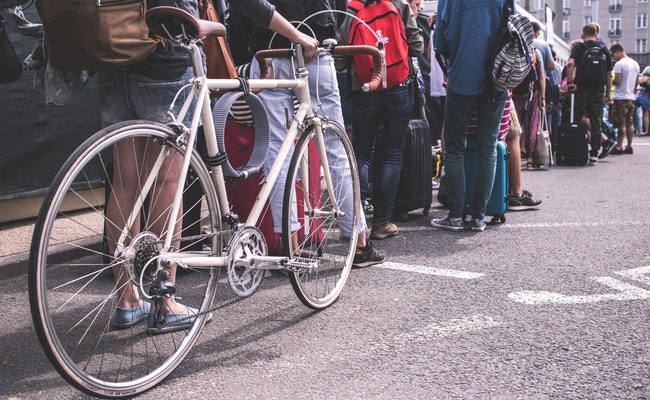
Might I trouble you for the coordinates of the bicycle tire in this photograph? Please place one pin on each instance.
(72, 292)
(324, 245)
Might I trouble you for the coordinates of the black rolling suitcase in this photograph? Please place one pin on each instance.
(572, 146)
(415, 183)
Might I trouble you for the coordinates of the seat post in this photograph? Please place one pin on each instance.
(197, 60)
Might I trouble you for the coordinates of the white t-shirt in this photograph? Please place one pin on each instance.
(629, 70)
(436, 77)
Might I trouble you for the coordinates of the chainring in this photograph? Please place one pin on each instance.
(244, 244)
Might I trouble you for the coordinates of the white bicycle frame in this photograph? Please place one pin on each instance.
(201, 86)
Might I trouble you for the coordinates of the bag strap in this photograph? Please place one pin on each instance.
(356, 5)
(208, 12)
(543, 122)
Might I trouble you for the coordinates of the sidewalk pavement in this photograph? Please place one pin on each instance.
(15, 240)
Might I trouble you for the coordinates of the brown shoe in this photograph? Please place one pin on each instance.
(383, 231)
(628, 150)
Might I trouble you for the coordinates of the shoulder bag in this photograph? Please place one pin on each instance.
(95, 34)
(543, 152)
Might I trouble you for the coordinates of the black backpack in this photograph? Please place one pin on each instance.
(526, 87)
(593, 66)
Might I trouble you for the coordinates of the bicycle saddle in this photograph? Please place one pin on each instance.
(165, 21)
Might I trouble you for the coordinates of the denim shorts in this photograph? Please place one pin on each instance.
(127, 96)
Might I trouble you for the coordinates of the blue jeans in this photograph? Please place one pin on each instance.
(346, 98)
(391, 108)
(324, 91)
(124, 97)
(638, 118)
(458, 111)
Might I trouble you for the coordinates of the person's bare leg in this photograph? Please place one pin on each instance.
(514, 166)
(131, 164)
(629, 134)
(164, 192)
(621, 136)
(124, 185)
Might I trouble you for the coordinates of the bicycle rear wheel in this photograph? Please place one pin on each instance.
(72, 291)
(326, 239)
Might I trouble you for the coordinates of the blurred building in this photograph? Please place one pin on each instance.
(624, 22)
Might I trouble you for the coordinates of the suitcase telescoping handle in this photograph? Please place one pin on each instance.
(573, 98)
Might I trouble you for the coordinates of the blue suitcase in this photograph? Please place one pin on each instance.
(498, 203)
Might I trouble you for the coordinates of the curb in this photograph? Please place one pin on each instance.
(14, 265)
(17, 264)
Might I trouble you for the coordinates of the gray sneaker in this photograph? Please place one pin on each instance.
(448, 224)
(382, 231)
(367, 256)
(477, 225)
(607, 148)
(525, 202)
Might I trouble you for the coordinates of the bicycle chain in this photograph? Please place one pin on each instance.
(208, 311)
(188, 238)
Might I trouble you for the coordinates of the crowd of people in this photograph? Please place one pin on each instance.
(613, 106)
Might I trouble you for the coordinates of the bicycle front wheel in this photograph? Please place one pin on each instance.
(84, 258)
(320, 222)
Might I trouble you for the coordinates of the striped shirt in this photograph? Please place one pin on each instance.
(503, 126)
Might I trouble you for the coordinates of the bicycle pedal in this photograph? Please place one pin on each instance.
(301, 265)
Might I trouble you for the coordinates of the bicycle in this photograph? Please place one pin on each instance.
(72, 295)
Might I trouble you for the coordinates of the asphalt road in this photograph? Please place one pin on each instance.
(554, 304)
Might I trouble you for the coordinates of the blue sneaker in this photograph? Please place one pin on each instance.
(448, 224)
(127, 317)
(175, 322)
(478, 225)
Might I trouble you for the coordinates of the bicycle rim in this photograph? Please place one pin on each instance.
(327, 242)
(73, 293)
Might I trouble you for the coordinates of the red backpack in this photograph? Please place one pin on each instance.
(386, 22)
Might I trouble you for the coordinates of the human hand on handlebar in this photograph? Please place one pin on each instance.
(285, 28)
(309, 45)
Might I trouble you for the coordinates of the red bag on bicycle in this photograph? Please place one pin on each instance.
(242, 193)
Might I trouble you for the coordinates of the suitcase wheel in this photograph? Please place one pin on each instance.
(498, 219)
(425, 212)
(403, 216)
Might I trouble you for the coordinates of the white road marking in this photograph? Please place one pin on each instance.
(572, 224)
(451, 273)
(637, 274)
(509, 225)
(624, 292)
